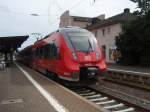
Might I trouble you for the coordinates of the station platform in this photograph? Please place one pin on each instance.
(139, 69)
(24, 90)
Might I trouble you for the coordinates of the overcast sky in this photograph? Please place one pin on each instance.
(15, 18)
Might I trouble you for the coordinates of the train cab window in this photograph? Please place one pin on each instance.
(82, 41)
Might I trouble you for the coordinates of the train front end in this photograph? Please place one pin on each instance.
(86, 62)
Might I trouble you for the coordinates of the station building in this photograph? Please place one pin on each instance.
(9, 44)
(105, 30)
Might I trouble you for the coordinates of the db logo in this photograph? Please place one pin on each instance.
(87, 58)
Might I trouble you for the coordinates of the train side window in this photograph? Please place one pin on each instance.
(34, 54)
(42, 52)
(47, 51)
(51, 51)
(37, 53)
(56, 51)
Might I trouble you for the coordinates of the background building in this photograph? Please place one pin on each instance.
(67, 20)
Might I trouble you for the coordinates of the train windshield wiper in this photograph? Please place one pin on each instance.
(89, 47)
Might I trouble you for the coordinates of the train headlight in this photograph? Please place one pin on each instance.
(74, 56)
(97, 55)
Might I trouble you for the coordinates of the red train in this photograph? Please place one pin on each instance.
(70, 53)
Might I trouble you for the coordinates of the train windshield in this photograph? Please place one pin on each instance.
(82, 41)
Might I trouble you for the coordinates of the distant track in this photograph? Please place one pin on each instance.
(130, 78)
(129, 72)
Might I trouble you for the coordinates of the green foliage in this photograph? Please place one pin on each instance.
(134, 42)
(144, 6)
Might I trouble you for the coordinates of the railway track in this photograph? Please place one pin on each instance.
(107, 102)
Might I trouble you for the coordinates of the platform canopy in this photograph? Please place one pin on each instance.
(11, 43)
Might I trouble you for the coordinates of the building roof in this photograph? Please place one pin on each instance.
(7, 44)
(125, 16)
(82, 19)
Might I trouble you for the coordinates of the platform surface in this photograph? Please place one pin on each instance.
(18, 94)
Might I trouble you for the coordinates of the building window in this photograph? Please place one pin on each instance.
(108, 30)
(103, 32)
(95, 34)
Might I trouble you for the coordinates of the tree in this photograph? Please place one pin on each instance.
(127, 43)
(144, 5)
(145, 39)
(134, 41)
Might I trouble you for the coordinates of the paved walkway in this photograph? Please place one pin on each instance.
(32, 92)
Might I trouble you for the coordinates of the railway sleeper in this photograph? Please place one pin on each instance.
(99, 99)
(130, 109)
(118, 107)
(114, 106)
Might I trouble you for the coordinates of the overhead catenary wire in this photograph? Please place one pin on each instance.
(54, 2)
(70, 9)
(42, 15)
